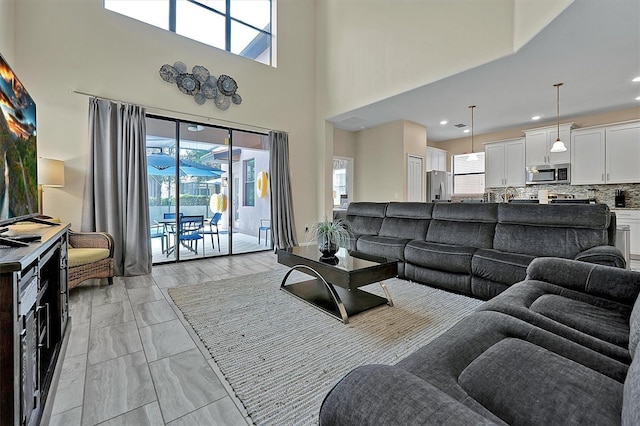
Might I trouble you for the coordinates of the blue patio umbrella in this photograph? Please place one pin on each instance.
(167, 171)
(197, 172)
(160, 161)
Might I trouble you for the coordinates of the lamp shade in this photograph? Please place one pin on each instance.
(558, 146)
(50, 172)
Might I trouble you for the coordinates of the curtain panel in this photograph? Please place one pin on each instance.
(116, 193)
(283, 229)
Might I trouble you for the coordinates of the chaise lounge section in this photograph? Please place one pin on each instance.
(559, 348)
(480, 249)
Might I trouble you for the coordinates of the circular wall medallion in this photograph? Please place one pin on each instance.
(227, 85)
(188, 84)
(181, 67)
(236, 99)
(168, 73)
(200, 73)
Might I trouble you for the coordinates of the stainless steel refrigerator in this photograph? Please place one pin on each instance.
(438, 186)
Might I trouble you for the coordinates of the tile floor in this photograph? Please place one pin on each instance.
(132, 361)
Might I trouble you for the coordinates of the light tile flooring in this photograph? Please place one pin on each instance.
(133, 360)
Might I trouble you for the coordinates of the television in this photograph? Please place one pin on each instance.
(18, 150)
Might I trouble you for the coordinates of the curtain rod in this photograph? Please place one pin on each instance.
(77, 92)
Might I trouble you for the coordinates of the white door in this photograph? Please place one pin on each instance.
(415, 178)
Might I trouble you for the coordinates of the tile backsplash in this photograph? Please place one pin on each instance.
(603, 193)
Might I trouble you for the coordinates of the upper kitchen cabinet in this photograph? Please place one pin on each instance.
(539, 142)
(607, 154)
(587, 156)
(436, 159)
(505, 163)
(623, 153)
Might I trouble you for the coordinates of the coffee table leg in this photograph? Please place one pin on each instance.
(386, 293)
(329, 286)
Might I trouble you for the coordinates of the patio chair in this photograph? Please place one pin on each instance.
(213, 229)
(90, 255)
(189, 235)
(265, 225)
(158, 231)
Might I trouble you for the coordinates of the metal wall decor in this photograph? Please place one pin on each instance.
(202, 85)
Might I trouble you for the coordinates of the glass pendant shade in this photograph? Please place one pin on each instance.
(558, 146)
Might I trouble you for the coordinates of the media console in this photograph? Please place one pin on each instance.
(34, 325)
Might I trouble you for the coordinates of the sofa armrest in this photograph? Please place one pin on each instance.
(611, 283)
(91, 240)
(603, 255)
(386, 395)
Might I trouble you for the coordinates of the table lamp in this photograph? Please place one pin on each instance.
(51, 174)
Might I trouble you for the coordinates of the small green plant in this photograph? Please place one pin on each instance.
(330, 234)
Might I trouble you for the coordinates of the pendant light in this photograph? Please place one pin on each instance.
(472, 156)
(558, 145)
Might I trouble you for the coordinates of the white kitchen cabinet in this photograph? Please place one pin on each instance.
(631, 218)
(538, 143)
(587, 156)
(623, 153)
(505, 163)
(606, 154)
(436, 159)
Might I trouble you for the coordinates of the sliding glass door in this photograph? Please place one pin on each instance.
(205, 193)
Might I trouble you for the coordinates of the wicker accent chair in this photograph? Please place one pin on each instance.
(90, 256)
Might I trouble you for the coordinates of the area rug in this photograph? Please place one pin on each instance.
(282, 356)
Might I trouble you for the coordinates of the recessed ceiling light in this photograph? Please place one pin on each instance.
(443, 122)
(536, 117)
(195, 127)
(638, 98)
(466, 131)
(637, 79)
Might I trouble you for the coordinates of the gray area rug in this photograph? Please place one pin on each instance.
(282, 356)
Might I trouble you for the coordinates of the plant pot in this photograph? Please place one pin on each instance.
(327, 248)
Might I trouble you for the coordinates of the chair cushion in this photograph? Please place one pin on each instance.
(631, 395)
(83, 256)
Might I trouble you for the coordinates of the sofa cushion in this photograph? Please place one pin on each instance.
(458, 283)
(540, 241)
(365, 218)
(523, 383)
(631, 395)
(499, 266)
(410, 210)
(551, 230)
(634, 325)
(412, 229)
(556, 215)
(443, 257)
(444, 359)
(462, 224)
(389, 247)
(593, 322)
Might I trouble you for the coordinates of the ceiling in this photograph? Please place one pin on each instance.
(593, 47)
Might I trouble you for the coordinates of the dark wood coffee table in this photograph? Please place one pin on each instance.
(334, 289)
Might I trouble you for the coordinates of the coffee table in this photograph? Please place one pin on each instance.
(334, 289)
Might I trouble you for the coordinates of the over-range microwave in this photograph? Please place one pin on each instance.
(559, 173)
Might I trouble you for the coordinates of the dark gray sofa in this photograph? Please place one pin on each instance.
(559, 348)
(480, 249)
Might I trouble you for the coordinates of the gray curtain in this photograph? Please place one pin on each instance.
(283, 228)
(116, 194)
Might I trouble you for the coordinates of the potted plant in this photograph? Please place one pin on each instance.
(330, 236)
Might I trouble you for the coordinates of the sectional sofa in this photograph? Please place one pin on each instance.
(559, 348)
(480, 249)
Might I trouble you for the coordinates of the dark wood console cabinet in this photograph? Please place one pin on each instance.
(33, 324)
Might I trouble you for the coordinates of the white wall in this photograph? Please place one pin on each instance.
(7, 28)
(77, 45)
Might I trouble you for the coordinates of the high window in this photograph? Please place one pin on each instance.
(468, 173)
(242, 27)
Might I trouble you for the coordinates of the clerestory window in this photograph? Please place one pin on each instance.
(242, 27)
